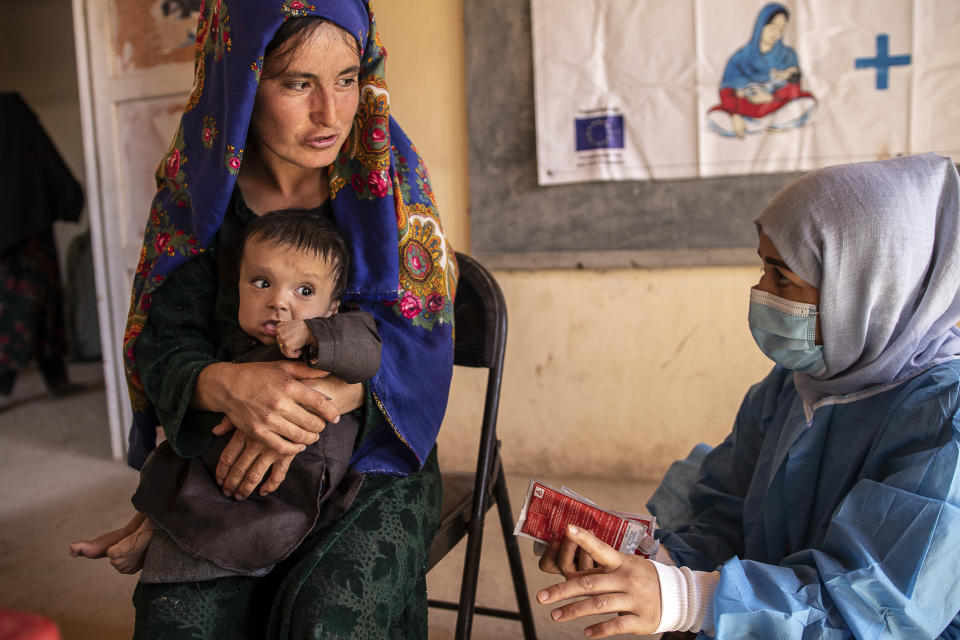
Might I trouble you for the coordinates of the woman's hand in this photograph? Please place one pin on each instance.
(345, 396)
(244, 462)
(624, 584)
(268, 402)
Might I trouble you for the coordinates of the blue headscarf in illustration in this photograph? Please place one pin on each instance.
(402, 270)
(760, 89)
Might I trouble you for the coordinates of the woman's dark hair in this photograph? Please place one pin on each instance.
(306, 231)
(291, 34)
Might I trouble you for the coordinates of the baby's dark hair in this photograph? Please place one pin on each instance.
(306, 231)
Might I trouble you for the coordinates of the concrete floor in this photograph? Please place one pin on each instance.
(58, 483)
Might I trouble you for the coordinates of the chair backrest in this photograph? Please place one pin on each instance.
(480, 314)
(480, 340)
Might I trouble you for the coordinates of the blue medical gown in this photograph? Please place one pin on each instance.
(848, 526)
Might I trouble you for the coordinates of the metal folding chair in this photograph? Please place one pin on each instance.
(481, 337)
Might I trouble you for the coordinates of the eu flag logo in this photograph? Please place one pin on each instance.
(599, 132)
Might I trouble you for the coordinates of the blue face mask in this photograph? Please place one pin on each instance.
(786, 332)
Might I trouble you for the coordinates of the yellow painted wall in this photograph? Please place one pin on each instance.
(612, 373)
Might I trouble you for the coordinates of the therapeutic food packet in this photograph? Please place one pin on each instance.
(547, 510)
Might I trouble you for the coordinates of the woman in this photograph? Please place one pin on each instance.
(290, 110)
(760, 88)
(828, 512)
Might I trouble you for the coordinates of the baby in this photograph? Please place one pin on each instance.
(292, 274)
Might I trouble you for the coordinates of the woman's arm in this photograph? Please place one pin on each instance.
(177, 342)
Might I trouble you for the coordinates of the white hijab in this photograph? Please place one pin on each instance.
(881, 240)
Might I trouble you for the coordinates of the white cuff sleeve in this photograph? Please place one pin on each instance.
(686, 599)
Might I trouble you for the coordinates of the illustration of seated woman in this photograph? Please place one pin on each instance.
(760, 90)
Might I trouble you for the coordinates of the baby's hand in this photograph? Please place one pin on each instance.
(293, 336)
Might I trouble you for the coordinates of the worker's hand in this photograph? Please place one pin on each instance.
(622, 584)
(564, 556)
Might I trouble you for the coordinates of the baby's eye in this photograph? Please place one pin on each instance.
(305, 290)
(260, 283)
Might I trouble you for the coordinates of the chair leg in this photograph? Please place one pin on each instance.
(471, 573)
(513, 555)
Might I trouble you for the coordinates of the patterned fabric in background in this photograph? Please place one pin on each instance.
(402, 269)
(31, 310)
(38, 189)
(37, 185)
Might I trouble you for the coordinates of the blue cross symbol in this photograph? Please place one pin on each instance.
(883, 61)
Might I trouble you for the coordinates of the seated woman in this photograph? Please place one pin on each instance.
(760, 90)
(290, 109)
(830, 509)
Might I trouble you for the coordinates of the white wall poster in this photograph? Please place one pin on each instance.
(665, 89)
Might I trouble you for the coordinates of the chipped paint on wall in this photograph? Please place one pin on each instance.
(149, 34)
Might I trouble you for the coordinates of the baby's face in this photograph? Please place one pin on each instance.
(281, 283)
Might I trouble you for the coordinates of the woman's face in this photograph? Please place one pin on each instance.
(772, 32)
(777, 279)
(303, 115)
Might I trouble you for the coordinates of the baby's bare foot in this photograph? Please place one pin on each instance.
(97, 547)
(127, 554)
